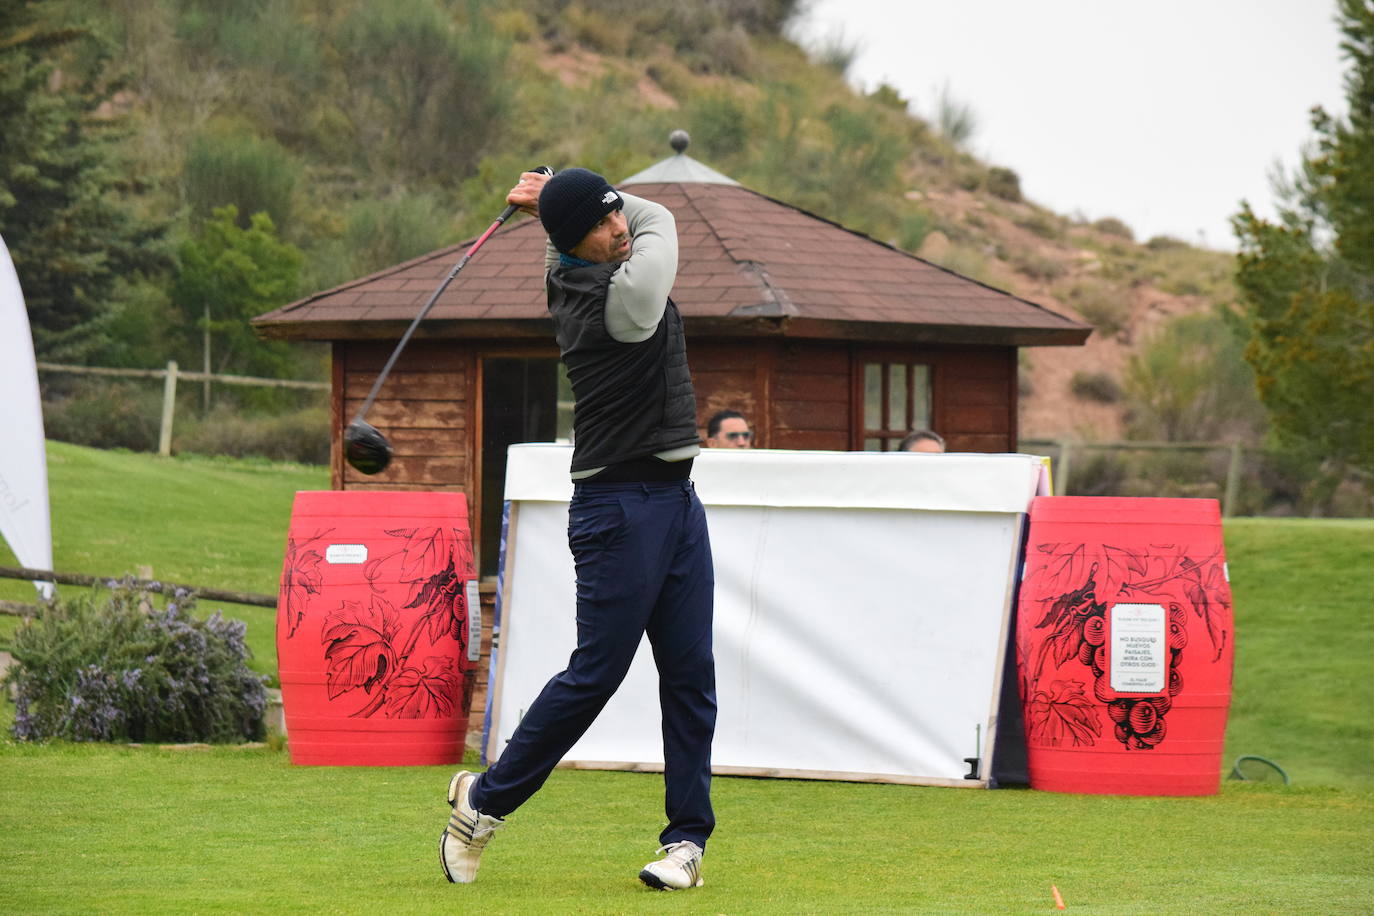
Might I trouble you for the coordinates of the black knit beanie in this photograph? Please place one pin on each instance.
(572, 202)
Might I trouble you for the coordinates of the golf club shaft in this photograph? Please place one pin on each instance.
(434, 297)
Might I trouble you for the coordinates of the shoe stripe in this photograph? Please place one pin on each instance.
(461, 827)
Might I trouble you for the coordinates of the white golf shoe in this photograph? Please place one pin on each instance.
(678, 870)
(467, 833)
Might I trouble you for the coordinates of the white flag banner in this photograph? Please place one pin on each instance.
(24, 519)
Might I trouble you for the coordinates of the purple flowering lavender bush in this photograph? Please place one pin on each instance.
(126, 665)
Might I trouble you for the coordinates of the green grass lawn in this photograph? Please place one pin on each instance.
(101, 828)
(108, 829)
(1304, 678)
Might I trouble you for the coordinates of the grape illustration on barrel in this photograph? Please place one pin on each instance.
(1074, 588)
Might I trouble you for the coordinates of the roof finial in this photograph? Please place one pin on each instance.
(679, 139)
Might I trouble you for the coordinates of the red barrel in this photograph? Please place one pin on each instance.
(372, 628)
(1124, 644)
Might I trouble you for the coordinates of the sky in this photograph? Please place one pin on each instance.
(1164, 115)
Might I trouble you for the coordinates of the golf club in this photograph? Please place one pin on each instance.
(365, 448)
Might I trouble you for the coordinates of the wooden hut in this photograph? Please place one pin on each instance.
(823, 337)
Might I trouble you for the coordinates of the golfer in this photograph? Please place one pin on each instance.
(636, 529)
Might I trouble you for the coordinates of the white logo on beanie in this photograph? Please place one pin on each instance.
(609, 197)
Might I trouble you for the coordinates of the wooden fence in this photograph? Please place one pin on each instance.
(170, 376)
(152, 585)
(1065, 451)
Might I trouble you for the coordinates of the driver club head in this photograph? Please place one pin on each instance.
(366, 448)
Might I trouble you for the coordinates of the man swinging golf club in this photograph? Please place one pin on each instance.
(636, 529)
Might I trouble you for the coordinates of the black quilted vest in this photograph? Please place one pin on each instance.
(633, 400)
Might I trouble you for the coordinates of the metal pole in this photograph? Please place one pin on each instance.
(169, 401)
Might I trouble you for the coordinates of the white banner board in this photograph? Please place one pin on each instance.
(24, 520)
(861, 611)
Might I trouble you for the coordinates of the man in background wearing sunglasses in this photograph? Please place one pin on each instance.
(728, 429)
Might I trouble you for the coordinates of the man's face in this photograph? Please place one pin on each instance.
(734, 433)
(925, 445)
(608, 240)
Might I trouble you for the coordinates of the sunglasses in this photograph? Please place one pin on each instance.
(738, 437)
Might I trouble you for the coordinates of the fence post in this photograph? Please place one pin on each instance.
(169, 403)
(1233, 470)
(205, 347)
(1062, 476)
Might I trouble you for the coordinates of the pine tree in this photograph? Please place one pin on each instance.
(1307, 280)
(60, 215)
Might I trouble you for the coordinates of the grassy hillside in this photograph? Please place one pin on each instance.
(372, 133)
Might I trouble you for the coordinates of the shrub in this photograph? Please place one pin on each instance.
(1110, 225)
(1095, 386)
(1039, 266)
(1165, 243)
(609, 35)
(727, 50)
(1190, 382)
(1041, 224)
(381, 232)
(425, 94)
(719, 125)
(301, 436)
(109, 666)
(252, 174)
(103, 415)
(955, 120)
(888, 97)
(836, 52)
(1097, 473)
(129, 415)
(966, 261)
(1004, 183)
(1104, 308)
(914, 228)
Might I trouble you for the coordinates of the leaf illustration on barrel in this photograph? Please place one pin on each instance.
(443, 595)
(1068, 615)
(1219, 606)
(416, 693)
(300, 579)
(1063, 713)
(1209, 596)
(1120, 563)
(1059, 572)
(427, 553)
(358, 646)
(372, 571)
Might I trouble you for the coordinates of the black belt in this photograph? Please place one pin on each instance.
(642, 470)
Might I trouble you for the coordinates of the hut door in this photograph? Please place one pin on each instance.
(521, 402)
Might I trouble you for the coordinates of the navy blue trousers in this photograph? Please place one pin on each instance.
(643, 561)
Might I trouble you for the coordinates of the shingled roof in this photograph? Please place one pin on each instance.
(748, 265)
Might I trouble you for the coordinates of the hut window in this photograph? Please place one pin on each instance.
(896, 401)
(524, 399)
